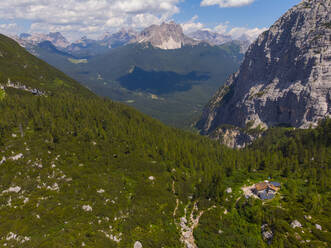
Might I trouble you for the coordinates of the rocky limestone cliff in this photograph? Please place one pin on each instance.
(166, 36)
(285, 78)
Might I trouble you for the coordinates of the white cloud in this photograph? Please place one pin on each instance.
(91, 16)
(239, 32)
(9, 28)
(226, 3)
(192, 25)
(222, 28)
(250, 34)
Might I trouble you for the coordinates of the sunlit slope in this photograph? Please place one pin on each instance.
(20, 67)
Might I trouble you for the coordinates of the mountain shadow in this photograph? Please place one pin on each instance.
(160, 82)
(50, 48)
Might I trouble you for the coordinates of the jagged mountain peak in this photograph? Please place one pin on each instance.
(123, 32)
(285, 78)
(56, 38)
(165, 36)
(211, 37)
(119, 38)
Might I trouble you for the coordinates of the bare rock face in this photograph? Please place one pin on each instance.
(285, 78)
(166, 36)
(137, 244)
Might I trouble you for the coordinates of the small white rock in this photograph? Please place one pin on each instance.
(3, 160)
(54, 187)
(12, 190)
(307, 217)
(87, 208)
(17, 157)
(229, 190)
(295, 224)
(137, 245)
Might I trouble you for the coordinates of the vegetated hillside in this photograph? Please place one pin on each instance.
(301, 161)
(104, 75)
(20, 67)
(77, 170)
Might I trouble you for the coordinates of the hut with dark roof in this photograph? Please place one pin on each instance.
(266, 195)
(276, 184)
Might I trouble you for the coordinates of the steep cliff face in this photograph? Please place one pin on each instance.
(285, 78)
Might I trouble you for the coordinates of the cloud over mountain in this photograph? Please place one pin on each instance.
(10, 28)
(192, 25)
(236, 33)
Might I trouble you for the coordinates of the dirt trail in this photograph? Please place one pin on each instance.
(177, 200)
(187, 226)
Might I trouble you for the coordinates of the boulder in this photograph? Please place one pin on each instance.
(229, 190)
(296, 224)
(137, 245)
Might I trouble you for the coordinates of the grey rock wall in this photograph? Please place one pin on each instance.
(285, 78)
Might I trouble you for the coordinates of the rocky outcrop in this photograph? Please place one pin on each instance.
(266, 232)
(285, 78)
(166, 36)
(234, 137)
(137, 244)
(296, 224)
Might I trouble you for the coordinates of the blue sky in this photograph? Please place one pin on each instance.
(261, 13)
(76, 18)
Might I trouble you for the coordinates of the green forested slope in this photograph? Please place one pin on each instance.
(21, 67)
(77, 170)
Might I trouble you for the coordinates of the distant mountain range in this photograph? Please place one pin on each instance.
(211, 37)
(161, 71)
(166, 36)
(57, 39)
